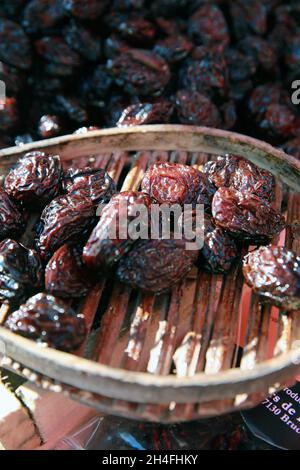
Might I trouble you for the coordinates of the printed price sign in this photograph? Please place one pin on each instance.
(277, 419)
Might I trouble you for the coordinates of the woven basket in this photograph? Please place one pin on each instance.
(206, 348)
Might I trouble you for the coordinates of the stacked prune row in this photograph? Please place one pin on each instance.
(71, 64)
(74, 246)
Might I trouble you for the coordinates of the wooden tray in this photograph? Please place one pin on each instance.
(206, 348)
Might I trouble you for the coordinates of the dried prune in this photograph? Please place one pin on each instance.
(54, 49)
(174, 48)
(50, 321)
(11, 218)
(260, 51)
(82, 41)
(248, 16)
(65, 218)
(135, 30)
(110, 238)
(274, 273)
(42, 14)
(174, 183)
(66, 275)
(241, 66)
(208, 26)
(140, 72)
(90, 183)
(197, 109)
(265, 95)
(280, 121)
(49, 126)
(35, 179)
(88, 10)
(245, 215)
(146, 113)
(14, 45)
(20, 271)
(156, 265)
(9, 116)
(242, 175)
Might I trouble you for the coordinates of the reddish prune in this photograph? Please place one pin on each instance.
(9, 115)
(50, 321)
(49, 126)
(274, 273)
(14, 45)
(174, 48)
(135, 30)
(82, 41)
(265, 95)
(292, 147)
(156, 265)
(280, 121)
(12, 220)
(146, 113)
(42, 14)
(35, 179)
(54, 49)
(208, 26)
(106, 244)
(65, 218)
(197, 109)
(242, 175)
(20, 271)
(87, 10)
(245, 215)
(241, 66)
(90, 183)
(66, 275)
(140, 72)
(174, 183)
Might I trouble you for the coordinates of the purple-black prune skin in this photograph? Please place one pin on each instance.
(11, 217)
(91, 183)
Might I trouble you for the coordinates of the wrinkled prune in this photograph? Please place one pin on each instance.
(48, 320)
(35, 179)
(156, 265)
(9, 116)
(242, 175)
(265, 95)
(90, 183)
(174, 183)
(82, 41)
(87, 10)
(107, 244)
(140, 72)
(54, 49)
(135, 30)
(65, 218)
(260, 51)
(208, 26)
(42, 14)
(12, 220)
(274, 273)
(49, 126)
(245, 215)
(174, 48)
(66, 275)
(281, 121)
(146, 113)
(14, 45)
(196, 109)
(20, 271)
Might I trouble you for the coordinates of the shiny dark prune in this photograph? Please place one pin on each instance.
(54, 49)
(42, 14)
(20, 271)
(197, 109)
(12, 220)
(274, 273)
(146, 113)
(174, 48)
(242, 175)
(9, 115)
(156, 265)
(35, 179)
(82, 41)
(140, 72)
(66, 276)
(87, 10)
(106, 246)
(245, 215)
(14, 45)
(65, 218)
(93, 184)
(174, 183)
(49, 126)
(50, 321)
(208, 26)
